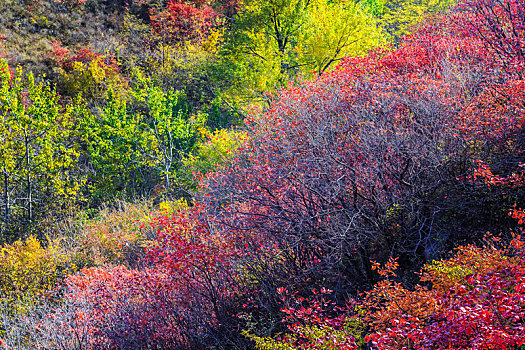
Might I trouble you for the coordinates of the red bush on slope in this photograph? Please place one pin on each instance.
(339, 169)
(180, 22)
(476, 301)
(174, 303)
(357, 164)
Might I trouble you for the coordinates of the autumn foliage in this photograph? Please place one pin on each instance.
(177, 301)
(347, 167)
(500, 25)
(182, 22)
(351, 212)
(475, 301)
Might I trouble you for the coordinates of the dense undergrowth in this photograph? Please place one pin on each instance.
(262, 174)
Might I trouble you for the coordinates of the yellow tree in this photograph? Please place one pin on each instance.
(334, 30)
(276, 41)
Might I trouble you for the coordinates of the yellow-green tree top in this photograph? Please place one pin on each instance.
(273, 42)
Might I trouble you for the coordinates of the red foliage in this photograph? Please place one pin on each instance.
(500, 24)
(229, 8)
(127, 308)
(66, 60)
(484, 172)
(497, 114)
(313, 322)
(177, 302)
(335, 166)
(180, 22)
(477, 302)
(194, 256)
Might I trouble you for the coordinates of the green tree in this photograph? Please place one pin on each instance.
(112, 143)
(38, 151)
(138, 145)
(171, 129)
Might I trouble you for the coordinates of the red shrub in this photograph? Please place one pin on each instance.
(477, 302)
(65, 59)
(337, 169)
(180, 22)
(128, 309)
(181, 301)
(500, 25)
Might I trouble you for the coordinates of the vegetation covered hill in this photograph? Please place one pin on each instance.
(303, 174)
